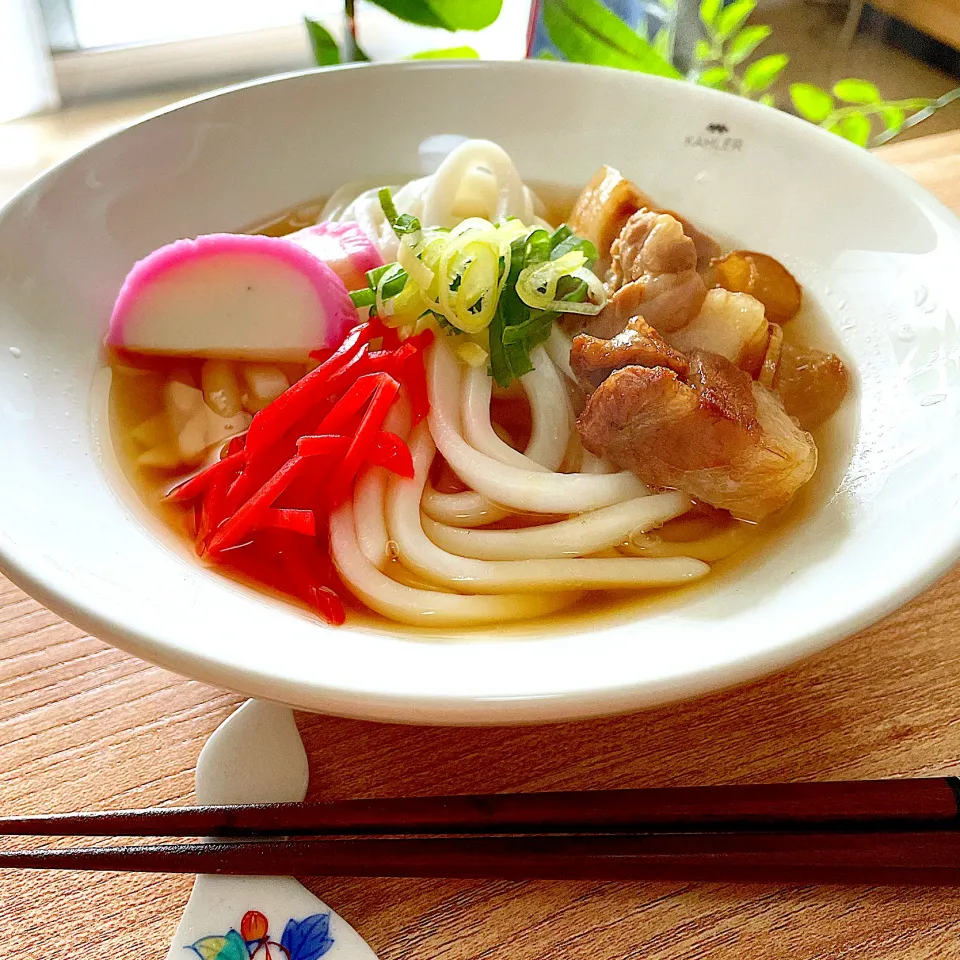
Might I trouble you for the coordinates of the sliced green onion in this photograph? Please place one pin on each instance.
(575, 244)
(406, 223)
(391, 282)
(363, 298)
(532, 331)
(504, 285)
(559, 235)
(402, 223)
(386, 204)
(538, 246)
(419, 272)
(537, 283)
(499, 366)
(572, 290)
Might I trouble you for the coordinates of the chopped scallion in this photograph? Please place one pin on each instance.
(402, 223)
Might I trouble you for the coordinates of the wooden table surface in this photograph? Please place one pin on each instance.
(84, 726)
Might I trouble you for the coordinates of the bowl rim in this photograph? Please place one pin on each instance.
(43, 579)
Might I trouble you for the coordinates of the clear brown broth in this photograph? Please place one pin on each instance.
(135, 394)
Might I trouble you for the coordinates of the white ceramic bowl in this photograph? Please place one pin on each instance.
(877, 254)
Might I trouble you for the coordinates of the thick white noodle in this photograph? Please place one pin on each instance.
(368, 499)
(594, 464)
(477, 178)
(368, 213)
(581, 535)
(549, 437)
(418, 553)
(558, 347)
(524, 491)
(342, 198)
(466, 509)
(550, 416)
(370, 491)
(409, 198)
(425, 607)
(439, 199)
(709, 549)
(478, 430)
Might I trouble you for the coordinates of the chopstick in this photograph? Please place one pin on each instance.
(886, 831)
(887, 858)
(867, 805)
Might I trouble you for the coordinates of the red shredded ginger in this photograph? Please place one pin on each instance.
(262, 509)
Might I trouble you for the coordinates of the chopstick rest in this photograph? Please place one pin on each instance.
(257, 756)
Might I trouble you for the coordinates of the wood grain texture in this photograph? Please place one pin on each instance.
(83, 726)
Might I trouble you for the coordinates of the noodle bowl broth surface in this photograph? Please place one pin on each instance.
(135, 394)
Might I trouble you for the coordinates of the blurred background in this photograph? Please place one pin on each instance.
(71, 70)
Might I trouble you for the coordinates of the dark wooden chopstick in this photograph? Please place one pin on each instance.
(886, 831)
(898, 858)
(866, 805)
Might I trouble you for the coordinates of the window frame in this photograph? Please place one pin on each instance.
(88, 74)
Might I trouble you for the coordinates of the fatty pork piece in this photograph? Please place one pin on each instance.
(712, 432)
(593, 359)
(609, 200)
(653, 272)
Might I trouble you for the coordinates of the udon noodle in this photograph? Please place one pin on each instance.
(490, 520)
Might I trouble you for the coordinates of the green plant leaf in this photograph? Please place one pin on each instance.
(733, 16)
(745, 42)
(709, 9)
(856, 91)
(768, 100)
(661, 42)
(715, 77)
(855, 128)
(893, 118)
(447, 53)
(418, 12)
(326, 51)
(811, 102)
(466, 14)
(702, 51)
(585, 31)
(763, 73)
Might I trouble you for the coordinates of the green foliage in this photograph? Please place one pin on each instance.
(709, 11)
(447, 53)
(856, 129)
(586, 31)
(763, 73)
(714, 77)
(466, 14)
(856, 91)
(729, 45)
(893, 118)
(733, 17)
(811, 102)
(326, 51)
(862, 115)
(445, 14)
(744, 43)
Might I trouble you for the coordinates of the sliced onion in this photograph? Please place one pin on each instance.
(537, 285)
(419, 272)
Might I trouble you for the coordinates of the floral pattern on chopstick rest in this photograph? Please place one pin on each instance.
(306, 939)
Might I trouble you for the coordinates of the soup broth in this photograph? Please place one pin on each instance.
(139, 420)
